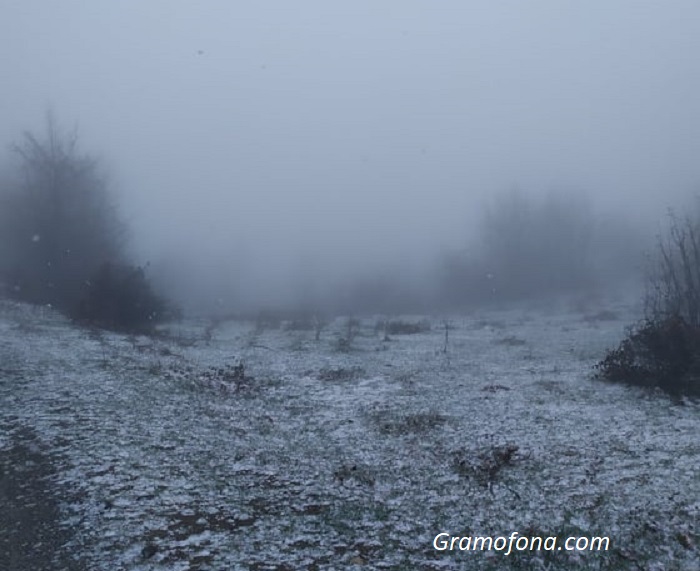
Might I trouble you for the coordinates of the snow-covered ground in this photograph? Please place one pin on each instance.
(328, 455)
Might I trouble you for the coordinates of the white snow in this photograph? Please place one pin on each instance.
(318, 470)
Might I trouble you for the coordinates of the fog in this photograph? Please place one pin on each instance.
(275, 152)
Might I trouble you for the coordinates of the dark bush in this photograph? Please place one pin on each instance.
(407, 327)
(119, 297)
(664, 352)
(340, 374)
(660, 353)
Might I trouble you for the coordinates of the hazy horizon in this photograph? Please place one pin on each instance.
(263, 146)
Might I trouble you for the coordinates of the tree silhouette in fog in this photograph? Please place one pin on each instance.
(60, 228)
(59, 222)
(536, 246)
(529, 246)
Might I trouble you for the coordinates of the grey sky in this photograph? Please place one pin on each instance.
(287, 135)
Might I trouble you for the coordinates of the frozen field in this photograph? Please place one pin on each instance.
(334, 455)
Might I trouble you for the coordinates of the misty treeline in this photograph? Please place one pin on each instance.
(534, 246)
(522, 247)
(62, 242)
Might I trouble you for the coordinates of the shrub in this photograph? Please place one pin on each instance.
(407, 327)
(120, 297)
(340, 374)
(660, 353)
(664, 351)
(485, 464)
(396, 423)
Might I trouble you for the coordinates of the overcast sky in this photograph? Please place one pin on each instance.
(285, 135)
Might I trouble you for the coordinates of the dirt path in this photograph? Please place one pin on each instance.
(30, 536)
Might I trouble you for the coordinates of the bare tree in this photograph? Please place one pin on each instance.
(673, 285)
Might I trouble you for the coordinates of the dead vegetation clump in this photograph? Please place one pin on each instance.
(494, 388)
(485, 465)
(231, 378)
(406, 327)
(344, 343)
(340, 374)
(354, 472)
(511, 341)
(228, 377)
(604, 315)
(663, 354)
(395, 423)
(173, 542)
